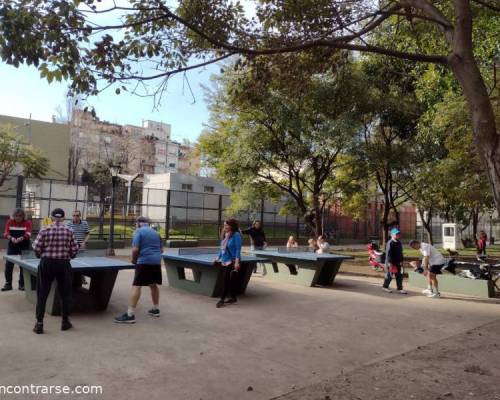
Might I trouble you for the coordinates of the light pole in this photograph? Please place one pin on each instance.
(129, 179)
(114, 170)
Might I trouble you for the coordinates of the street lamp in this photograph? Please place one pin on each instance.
(114, 169)
(129, 179)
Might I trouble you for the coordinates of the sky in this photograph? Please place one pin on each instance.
(23, 92)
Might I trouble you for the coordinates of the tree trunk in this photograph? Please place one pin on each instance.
(475, 223)
(428, 228)
(466, 70)
(427, 224)
(385, 222)
(483, 123)
(318, 221)
(309, 219)
(397, 217)
(428, 231)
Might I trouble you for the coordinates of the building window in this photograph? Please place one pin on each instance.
(208, 189)
(187, 186)
(171, 165)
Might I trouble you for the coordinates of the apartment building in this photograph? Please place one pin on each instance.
(139, 149)
(94, 141)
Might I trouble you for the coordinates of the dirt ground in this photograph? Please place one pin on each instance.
(465, 366)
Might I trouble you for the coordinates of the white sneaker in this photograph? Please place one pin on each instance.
(402, 291)
(435, 295)
(387, 290)
(427, 291)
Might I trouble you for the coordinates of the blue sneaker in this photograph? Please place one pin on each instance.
(154, 312)
(125, 319)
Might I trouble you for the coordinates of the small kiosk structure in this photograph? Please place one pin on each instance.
(452, 239)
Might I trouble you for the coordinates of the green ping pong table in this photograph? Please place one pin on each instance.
(102, 272)
(300, 266)
(192, 269)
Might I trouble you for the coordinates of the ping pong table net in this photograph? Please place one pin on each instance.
(30, 254)
(197, 251)
(300, 249)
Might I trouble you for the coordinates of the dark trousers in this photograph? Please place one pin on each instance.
(48, 270)
(14, 249)
(398, 275)
(231, 281)
(256, 248)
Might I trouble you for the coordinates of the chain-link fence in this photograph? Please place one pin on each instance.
(175, 214)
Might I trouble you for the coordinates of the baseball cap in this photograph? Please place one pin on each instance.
(395, 231)
(57, 213)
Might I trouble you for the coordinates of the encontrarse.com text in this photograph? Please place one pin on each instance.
(49, 389)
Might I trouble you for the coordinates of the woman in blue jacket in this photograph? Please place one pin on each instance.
(229, 258)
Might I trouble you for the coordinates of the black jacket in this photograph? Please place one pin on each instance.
(257, 235)
(394, 252)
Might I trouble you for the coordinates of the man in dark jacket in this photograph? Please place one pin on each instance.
(257, 236)
(394, 262)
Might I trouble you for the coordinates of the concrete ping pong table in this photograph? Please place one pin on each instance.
(102, 272)
(300, 266)
(203, 276)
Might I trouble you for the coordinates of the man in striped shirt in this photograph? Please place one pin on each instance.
(80, 228)
(55, 245)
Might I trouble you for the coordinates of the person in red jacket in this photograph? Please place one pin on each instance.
(18, 233)
(481, 244)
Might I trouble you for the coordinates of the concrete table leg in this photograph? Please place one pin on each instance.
(327, 273)
(95, 298)
(207, 279)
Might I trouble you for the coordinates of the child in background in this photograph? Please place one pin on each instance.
(313, 246)
(291, 242)
(481, 245)
(323, 245)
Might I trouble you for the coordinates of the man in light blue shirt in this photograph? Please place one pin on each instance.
(146, 255)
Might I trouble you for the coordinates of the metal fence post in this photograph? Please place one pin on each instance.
(262, 205)
(167, 216)
(219, 220)
(76, 197)
(19, 191)
(50, 197)
(187, 216)
(297, 227)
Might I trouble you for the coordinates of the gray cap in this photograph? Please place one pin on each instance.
(142, 220)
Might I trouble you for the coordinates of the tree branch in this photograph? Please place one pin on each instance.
(338, 43)
(487, 5)
(434, 13)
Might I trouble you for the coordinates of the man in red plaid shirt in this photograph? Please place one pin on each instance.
(55, 245)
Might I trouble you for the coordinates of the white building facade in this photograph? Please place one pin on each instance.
(192, 198)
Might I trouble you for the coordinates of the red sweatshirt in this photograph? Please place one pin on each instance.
(14, 229)
(481, 244)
